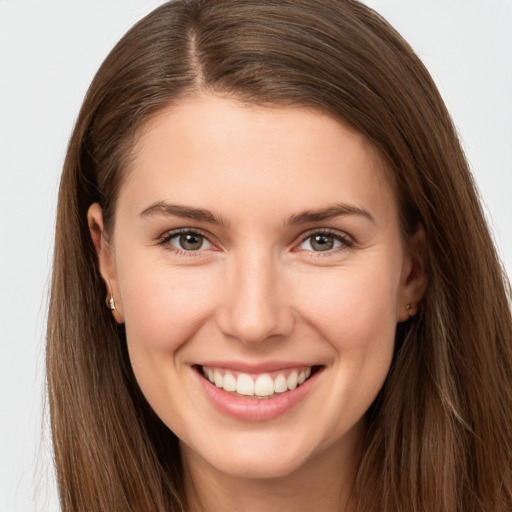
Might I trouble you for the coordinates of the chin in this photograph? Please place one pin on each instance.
(256, 468)
(255, 457)
(268, 468)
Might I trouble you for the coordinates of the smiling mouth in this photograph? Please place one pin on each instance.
(257, 386)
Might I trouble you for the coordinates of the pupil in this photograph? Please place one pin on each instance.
(191, 242)
(322, 242)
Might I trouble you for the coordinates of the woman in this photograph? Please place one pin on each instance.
(304, 306)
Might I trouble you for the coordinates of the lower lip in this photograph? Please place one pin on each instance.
(254, 409)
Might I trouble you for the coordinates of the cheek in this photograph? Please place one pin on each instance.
(355, 309)
(164, 309)
(163, 306)
(355, 313)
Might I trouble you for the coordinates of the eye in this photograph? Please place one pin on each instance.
(324, 241)
(187, 241)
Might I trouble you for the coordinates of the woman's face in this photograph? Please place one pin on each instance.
(254, 247)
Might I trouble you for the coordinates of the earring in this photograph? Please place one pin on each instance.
(410, 310)
(111, 304)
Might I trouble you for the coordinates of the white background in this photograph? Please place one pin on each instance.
(49, 52)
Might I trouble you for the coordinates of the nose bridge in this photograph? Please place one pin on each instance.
(255, 308)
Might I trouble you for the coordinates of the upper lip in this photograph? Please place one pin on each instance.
(262, 367)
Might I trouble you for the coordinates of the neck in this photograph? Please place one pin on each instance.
(324, 483)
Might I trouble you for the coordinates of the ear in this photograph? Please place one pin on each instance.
(105, 260)
(414, 275)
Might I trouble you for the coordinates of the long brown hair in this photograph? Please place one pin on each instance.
(440, 432)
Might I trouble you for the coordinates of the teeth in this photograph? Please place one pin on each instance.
(261, 386)
(244, 385)
(229, 382)
(291, 381)
(264, 386)
(280, 384)
(217, 378)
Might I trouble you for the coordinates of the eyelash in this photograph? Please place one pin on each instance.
(345, 241)
(164, 241)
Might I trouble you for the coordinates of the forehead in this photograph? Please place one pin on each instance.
(221, 152)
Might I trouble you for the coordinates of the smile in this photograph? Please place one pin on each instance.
(264, 385)
(256, 392)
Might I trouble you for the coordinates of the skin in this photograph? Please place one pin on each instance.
(258, 290)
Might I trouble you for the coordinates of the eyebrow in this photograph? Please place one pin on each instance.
(186, 212)
(308, 216)
(336, 210)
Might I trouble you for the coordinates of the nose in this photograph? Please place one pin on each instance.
(254, 308)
